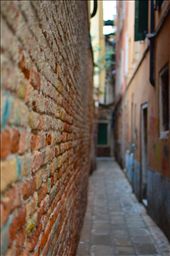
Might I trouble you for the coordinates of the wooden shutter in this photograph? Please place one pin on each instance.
(141, 19)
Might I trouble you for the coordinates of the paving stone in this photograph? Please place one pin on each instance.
(83, 249)
(125, 250)
(145, 249)
(122, 242)
(101, 240)
(141, 239)
(115, 222)
(101, 250)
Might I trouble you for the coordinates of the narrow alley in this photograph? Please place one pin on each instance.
(85, 128)
(115, 222)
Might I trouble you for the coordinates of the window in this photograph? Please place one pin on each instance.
(102, 134)
(164, 100)
(141, 19)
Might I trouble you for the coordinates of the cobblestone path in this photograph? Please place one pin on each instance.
(115, 222)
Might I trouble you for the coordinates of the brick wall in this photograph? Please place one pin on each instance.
(46, 125)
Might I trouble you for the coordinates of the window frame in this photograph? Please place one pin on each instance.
(163, 133)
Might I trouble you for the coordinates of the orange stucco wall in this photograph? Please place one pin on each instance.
(140, 91)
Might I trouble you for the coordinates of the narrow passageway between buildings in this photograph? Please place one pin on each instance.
(115, 222)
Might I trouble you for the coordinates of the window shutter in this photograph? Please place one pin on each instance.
(141, 19)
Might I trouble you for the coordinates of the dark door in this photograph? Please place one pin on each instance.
(144, 153)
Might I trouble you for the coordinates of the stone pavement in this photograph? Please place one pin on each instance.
(115, 222)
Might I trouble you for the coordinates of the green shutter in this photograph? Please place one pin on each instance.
(102, 134)
(141, 19)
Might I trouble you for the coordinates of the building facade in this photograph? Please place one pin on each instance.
(104, 62)
(98, 44)
(105, 116)
(46, 125)
(142, 97)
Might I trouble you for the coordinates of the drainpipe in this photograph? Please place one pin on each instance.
(94, 9)
(152, 45)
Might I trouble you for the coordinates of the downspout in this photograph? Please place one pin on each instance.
(94, 9)
(152, 45)
(91, 16)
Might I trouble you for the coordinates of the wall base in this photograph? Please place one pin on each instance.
(159, 200)
(158, 192)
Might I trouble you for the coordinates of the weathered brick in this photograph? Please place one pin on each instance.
(21, 90)
(28, 93)
(28, 188)
(31, 205)
(33, 120)
(24, 142)
(9, 201)
(15, 137)
(32, 241)
(35, 79)
(22, 65)
(38, 159)
(17, 223)
(8, 172)
(19, 241)
(44, 206)
(4, 241)
(42, 192)
(46, 107)
(5, 144)
(5, 109)
(53, 193)
(48, 139)
(19, 114)
(36, 141)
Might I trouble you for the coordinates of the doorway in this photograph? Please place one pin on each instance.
(144, 153)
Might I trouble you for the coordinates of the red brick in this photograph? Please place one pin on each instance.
(35, 141)
(21, 90)
(34, 120)
(15, 136)
(38, 159)
(28, 188)
(23, 67)
(24, 252)
(48, 139)
(31, 205)
(8, 173)
(44, 206)
(20, 238)
(42, 192)
(5, 144)
(44, 237)
(49, 126)
(24, 142)
(9, 201)
(28, 93)
(57, 151)
(17, 224)
(32, 240)
(35, 79)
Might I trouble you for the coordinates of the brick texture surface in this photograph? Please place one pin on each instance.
(46, 125)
